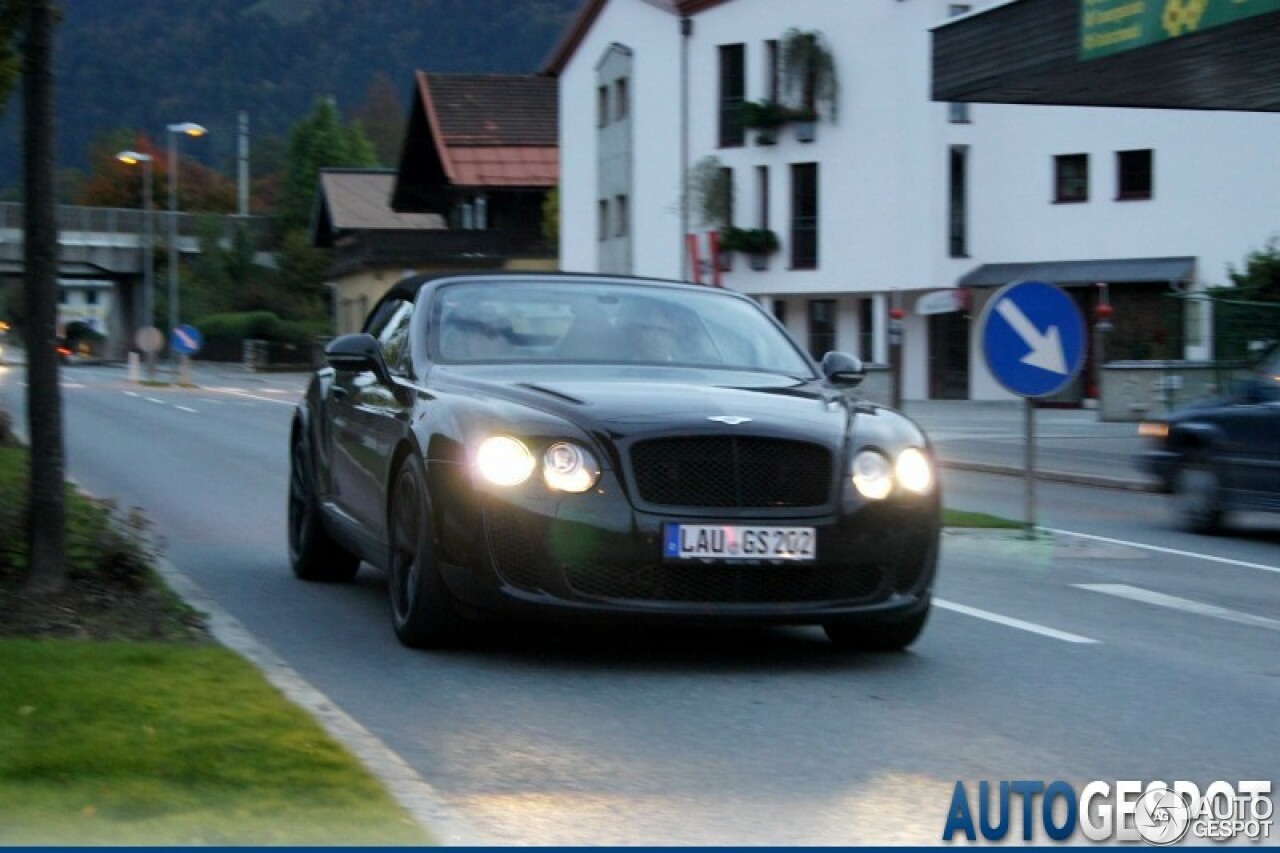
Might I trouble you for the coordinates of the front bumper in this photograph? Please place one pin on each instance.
(588, 557)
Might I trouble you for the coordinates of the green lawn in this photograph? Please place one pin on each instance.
(959, 518)
(147, 743)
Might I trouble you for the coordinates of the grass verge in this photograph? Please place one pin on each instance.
(981, 520)
(122, 723)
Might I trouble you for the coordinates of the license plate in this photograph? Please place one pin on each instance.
(738, 542)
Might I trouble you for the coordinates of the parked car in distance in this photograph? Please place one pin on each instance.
(1221, 455)
(581, 446)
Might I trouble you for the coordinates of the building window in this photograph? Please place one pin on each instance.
(762, 196)
(822, 327)
(481, 216)
(621, 99)
(733, 73)
(602, 230)
(771, 69)
(1071, 177)
(780, 311)
(602, 106)
(958, 111)
(621, 216)
(866, 329)
(804, 216)
(1135, 175)
(958, 202)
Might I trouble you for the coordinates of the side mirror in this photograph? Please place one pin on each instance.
(357, 353)
(843, 369)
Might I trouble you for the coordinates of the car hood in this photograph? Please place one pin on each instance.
(655, 405)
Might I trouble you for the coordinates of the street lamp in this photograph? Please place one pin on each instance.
(136, 158)
(185, 128)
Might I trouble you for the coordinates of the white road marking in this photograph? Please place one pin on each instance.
(153, 400)
(240, 392)
(1193, 554)
(187, 409)
(1159, 599)
(1010, 622)
(132, 394)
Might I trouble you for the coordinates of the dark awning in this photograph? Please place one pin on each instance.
(1067, 273)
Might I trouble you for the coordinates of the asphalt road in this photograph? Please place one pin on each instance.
(1130, 651)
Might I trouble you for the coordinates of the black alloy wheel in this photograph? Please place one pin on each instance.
(1197, 495)
(875, 635)
(312, 552)
(422, 609)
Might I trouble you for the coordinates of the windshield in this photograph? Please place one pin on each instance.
(607, 323)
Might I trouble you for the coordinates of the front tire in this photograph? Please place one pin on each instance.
(875, 635)
(314, 555)
(422, 609)
(1197, 495)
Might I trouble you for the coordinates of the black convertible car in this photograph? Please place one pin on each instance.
(616, 448)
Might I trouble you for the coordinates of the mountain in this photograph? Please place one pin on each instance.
(143, 64)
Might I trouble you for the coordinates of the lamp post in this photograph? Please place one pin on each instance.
(175, 130)
(136, 158)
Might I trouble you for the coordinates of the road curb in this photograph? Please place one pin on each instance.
(1072, 477)
(423, 803)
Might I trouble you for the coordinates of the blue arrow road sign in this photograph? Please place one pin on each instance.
(1033, 337)
(186, 339)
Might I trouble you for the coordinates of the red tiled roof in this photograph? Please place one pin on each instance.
(492, 109)
(494, 130)
(496, 166)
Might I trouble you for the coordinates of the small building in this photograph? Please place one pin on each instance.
(481, 150)
(373, 245)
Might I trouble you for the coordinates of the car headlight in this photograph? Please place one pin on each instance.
(872, 476)
(504, 461)
(569, 468)
(913, 471)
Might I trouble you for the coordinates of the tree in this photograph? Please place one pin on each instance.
(319, 140)
(111, 183)
(10, 58)
(381, 117)
(46, 508)
(1259, 281)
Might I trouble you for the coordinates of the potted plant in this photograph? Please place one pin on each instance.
(756, 243)
(805, 121)
(809, 69)
(765, 117)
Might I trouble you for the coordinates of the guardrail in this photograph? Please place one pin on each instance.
(80, 219)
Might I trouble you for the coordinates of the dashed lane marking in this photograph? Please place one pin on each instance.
(1187, 605)
(1010, 622)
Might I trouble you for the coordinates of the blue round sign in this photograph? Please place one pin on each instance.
(1033, 338)
(186, 339)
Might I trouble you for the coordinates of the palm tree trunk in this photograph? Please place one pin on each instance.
(46, 524)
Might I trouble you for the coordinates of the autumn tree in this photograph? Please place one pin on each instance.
(111, 183)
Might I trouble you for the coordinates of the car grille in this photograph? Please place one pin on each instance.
(724, 584)
(731, 471)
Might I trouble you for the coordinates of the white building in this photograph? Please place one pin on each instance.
(897, 197)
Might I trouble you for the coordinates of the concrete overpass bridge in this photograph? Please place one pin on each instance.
(102, 251)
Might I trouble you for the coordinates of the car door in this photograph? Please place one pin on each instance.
(369, 418)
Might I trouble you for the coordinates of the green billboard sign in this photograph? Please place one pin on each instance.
(1112, 26)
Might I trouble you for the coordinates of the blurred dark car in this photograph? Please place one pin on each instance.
(1221, 455)
(615, 448)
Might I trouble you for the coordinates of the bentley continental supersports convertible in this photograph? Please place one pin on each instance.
(566, 445)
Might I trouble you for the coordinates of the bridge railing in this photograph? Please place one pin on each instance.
(126, 221)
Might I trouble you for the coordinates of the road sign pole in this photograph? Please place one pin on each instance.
(1030, 422)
